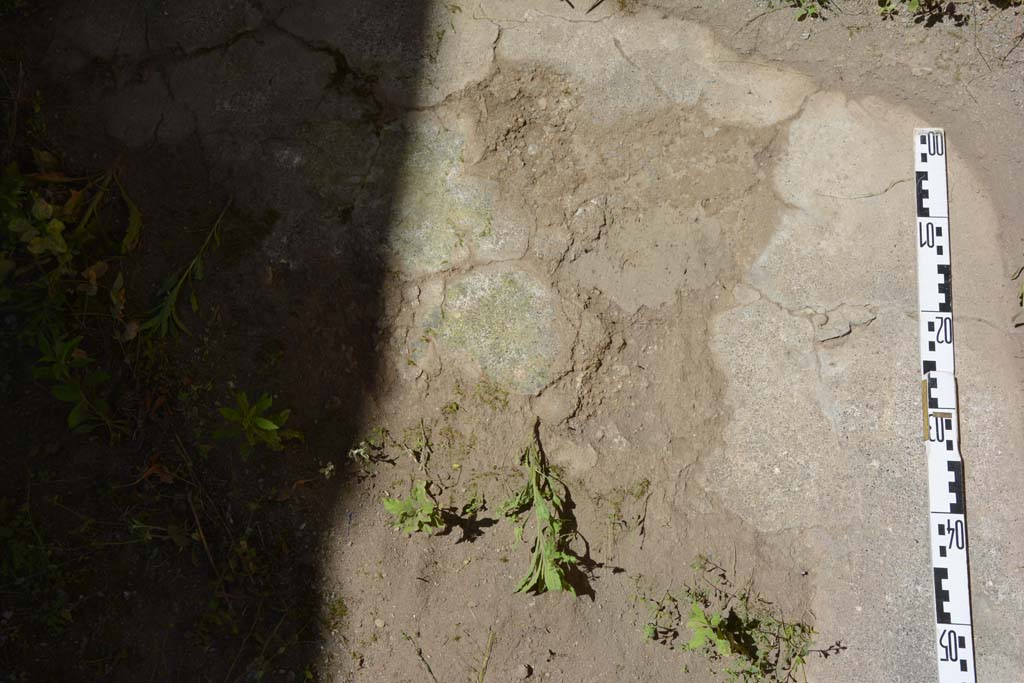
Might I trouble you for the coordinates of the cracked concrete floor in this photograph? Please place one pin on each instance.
(694, 264)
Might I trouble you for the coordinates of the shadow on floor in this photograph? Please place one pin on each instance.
(167, 555)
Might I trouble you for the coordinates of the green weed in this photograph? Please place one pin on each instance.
(337, 610)
(251, 423)
(164, 318)
(416, 442)
(741, 634)
(56, 255)
(416, 513)
(53, 247)
(928, 11)
(546, 496)
(32, 572)
(67, 367)
(805, 9)
(371, 450)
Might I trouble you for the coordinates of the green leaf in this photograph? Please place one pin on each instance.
(552, 577)
(55, 227)
(78, 415)
(289, 434)
(134, 231)
(398, 506)
(68, 393)
(264, 402)
(265, 424)
(544, 494)
(230, 414)
(416, 513)
(700, 637)
(42, 210)
(37, 245)
(19, 225)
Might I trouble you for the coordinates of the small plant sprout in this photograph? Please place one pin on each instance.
(545, 495)
(416, 513)
(164, 318)
(371, 450)
(251, 423)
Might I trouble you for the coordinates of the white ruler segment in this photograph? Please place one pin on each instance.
(954, 641)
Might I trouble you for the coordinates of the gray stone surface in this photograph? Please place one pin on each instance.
(444, 53)
(766, 225)
(262, 78)
(841, 421)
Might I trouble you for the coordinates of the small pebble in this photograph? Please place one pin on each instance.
(379, 623)
(523, 671)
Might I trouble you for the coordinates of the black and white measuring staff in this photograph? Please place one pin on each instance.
(947, 519)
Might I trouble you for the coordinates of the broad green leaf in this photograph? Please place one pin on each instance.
(264, 423)
(68, 393)
(264, 402)
(54, 228)
(78, 415)
(19, 225)
(552, 577)
(700, 637)
(230, 414)
(37, 245)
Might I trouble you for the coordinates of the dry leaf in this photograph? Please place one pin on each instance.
(131, 330)
(73, 206)
(91, 275)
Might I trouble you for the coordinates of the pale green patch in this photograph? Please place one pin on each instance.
(440, 210)
(505, 321)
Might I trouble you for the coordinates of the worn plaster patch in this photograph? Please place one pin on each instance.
(509, 324)
(629, 65)
(445, 217)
